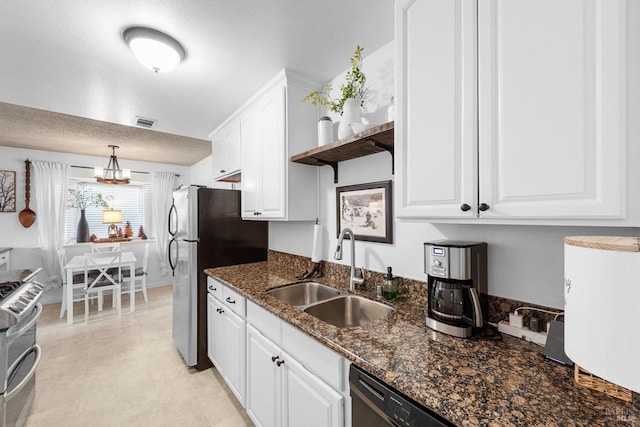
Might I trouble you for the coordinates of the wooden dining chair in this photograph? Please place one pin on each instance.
(105, 247)
(78, 282)
(105, 263)
(140, 275)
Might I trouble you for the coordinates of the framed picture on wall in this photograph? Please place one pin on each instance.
(366, 210)
(7, 191)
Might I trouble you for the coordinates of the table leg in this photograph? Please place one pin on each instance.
(132, 287)
(69, 296)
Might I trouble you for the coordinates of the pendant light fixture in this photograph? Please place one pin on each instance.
(154, 49)
(112, 174)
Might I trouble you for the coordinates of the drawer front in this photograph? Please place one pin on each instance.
(234, 301)
(267, 323)
(214, 287)
(314, 356)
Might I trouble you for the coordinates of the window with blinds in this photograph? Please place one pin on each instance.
(134, 200)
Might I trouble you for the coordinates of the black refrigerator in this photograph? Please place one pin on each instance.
(206, 231)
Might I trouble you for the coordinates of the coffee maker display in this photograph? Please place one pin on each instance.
(457, 286)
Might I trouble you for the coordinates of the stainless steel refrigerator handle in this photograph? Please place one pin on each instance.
(172, 210)
(171, 264)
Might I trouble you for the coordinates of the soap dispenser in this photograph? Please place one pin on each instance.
(389, 288)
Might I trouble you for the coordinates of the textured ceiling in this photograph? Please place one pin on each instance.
(68, 57)
(44, 130)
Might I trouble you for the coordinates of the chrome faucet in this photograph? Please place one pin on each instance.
(353, 278)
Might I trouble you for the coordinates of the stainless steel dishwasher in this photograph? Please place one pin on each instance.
(375, 404)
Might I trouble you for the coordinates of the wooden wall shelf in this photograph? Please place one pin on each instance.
(371, 141)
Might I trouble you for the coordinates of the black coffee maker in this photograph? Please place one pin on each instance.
(457, 278)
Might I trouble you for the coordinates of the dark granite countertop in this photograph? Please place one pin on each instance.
(487, 380)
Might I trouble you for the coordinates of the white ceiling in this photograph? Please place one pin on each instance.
(68, 57)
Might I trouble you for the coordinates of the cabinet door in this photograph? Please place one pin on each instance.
(309, 401)
(215, 332)
(251, 150)
(274, 170)
(226, 149)
(551, 108)
(234, 353)
(5, 261)
(218, 149)
(232, 147)
(263, 382)
(436, 101)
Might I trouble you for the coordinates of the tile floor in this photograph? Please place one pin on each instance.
(124, 371)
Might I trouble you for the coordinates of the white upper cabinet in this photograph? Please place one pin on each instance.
(551, 108)
(435, 131)
(276, 125)
(226, 149)
(264, 150)
(513, 111)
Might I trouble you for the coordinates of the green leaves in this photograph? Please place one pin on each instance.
(83, 197)
(353, 87)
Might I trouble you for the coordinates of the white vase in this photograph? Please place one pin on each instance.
(350, 114)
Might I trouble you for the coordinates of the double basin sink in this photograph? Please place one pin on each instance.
(330, 305)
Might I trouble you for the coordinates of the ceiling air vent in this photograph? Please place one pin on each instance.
(145, 123)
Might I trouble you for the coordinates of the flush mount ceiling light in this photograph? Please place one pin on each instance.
(154, 49)
(112, 174)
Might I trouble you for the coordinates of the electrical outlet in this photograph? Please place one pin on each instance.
(539, 338)
(515, 320)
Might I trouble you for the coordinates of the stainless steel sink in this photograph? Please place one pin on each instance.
(303, 294)
(349, 310)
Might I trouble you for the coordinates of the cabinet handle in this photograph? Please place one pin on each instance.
(230, 301)
(274, 358)
(483, 207)
(220, 311)
(464, 207)
(222, 171)
(211, 288)
(279, 362)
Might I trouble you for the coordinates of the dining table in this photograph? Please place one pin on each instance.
(77, 265)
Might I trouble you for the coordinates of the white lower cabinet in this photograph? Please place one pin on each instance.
(281, 392)
(214, 332)
(5, 260)
(234, 354)
(255, 356)
(309, 401)
(226, 341)
(263, 381)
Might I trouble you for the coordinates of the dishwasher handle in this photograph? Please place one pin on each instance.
(370, 388)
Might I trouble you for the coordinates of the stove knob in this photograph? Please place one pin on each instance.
(437, 263)
(14, 308)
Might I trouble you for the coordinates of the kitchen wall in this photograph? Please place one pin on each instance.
(525, 262)
(26, 252)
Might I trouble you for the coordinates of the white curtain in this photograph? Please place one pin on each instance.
(50, 190)
(163, 184)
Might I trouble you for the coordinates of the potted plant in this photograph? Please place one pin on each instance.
(352, 90)
(82, 198)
